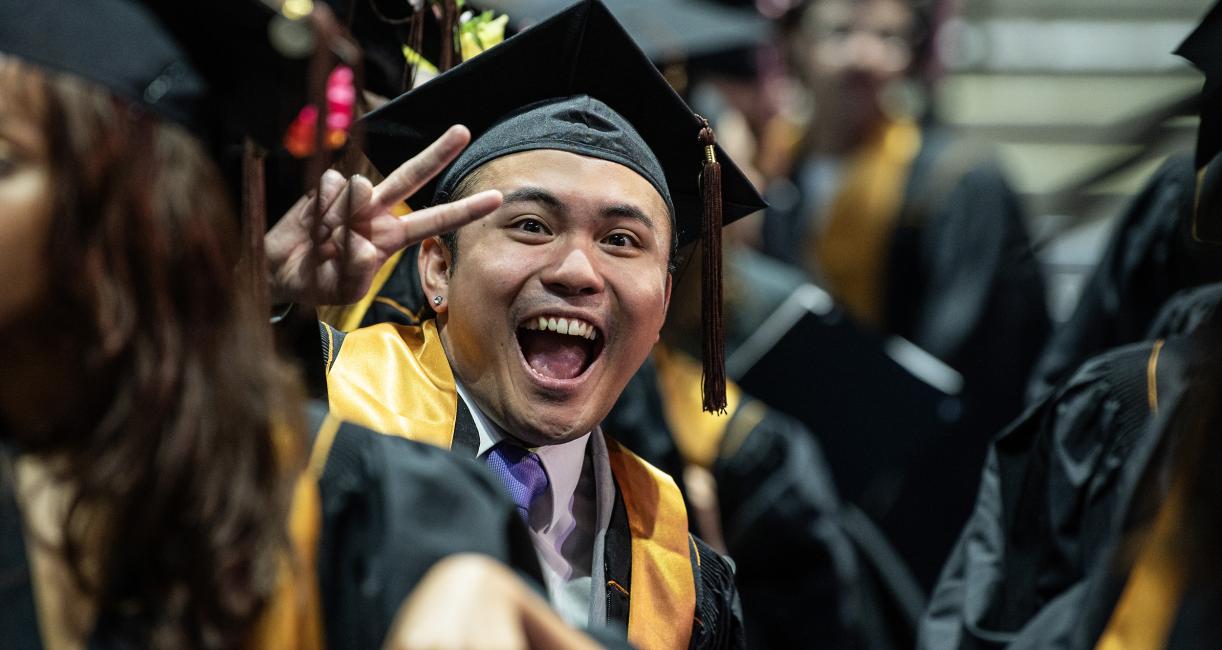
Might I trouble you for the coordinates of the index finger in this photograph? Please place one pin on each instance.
(420, 169)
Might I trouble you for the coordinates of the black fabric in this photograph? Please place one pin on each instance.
(1056, 483)
(805, 581)
(718, 618)
(1202, 49)
(331, 340)
(671, 31)
(1188, 311)
(161, 55)
(580, 51)
(391, 509)
(1207, 208)
(810, 574)
(118, 44)
(962, 281)
(617, 564)
(1151, 256)
(465, 442)
(579, 124)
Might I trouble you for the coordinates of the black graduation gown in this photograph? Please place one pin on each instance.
(1055, 484)
(1151, 255)
(962, 279)
(391, 508)
(1079, 617)
(813, 572)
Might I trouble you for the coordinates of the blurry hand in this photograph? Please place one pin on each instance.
(472, 602)
(358, 232)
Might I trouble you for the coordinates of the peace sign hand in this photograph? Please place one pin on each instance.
(358, 233)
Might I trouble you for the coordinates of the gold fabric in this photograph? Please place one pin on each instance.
(850, 250)
(698, 434)
(395, 379)
(663, 599)
(1146, 610)
(1152, 376)
(293, 617)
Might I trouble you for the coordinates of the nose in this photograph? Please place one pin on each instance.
(863, 51)
(574, 274)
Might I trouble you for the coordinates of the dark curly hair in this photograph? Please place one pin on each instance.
(167, 436)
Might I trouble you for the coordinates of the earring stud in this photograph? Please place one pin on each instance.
(437, 300)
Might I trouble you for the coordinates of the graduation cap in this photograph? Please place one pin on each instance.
(666, 30)
(1203, 48)
(216, 68)
(117, 44)
(577, 82)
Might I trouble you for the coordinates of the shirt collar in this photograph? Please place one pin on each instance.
(562, 462)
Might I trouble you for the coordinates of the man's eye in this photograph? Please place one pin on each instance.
(533, 226)
(620, 239)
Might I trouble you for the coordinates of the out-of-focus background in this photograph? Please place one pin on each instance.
(1080, 97)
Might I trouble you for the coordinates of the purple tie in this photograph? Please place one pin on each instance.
(521, 472)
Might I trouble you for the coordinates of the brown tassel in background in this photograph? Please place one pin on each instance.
(714, 372)
(450, 54)
(253, 266)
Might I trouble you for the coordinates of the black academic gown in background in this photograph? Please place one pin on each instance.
(1057, 482)
(812, 571)
(962, 279)
(1091, 611)
(1151, 255)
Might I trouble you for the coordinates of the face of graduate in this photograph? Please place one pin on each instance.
(553, 301)
(850, 50)
(25, 212)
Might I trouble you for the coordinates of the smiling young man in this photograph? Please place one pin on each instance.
(546, 307)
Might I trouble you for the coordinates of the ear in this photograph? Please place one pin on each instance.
(434, 265)
(665, 305)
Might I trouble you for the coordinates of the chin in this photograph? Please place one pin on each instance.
(553, 428)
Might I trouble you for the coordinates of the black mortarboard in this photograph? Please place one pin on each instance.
(578, 82)
(666, 30)
(209, 66)
(1203, 48)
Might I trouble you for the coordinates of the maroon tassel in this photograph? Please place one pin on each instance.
(254, 224)
(713, 386)
(451, 55)
(415, 40)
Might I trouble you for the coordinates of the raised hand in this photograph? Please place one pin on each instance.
(358, 232)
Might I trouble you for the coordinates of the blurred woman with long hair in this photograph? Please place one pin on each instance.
(157, 488)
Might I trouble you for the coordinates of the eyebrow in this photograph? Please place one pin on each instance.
(533, 194)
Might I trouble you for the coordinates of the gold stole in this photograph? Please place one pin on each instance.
(293, 616)
(397, 380)
(698, 434)
(850, 250)
(1147, 607)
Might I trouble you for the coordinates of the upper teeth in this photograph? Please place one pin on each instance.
(570, 326)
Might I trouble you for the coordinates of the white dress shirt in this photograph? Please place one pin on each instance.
(568, 525)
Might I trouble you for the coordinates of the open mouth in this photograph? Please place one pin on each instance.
(559, 348)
